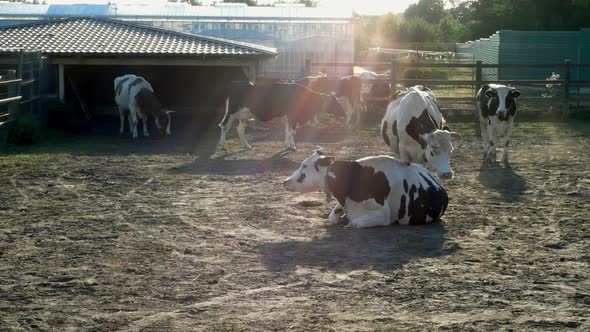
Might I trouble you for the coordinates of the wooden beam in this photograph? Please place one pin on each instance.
(130, 61)
(61, 87)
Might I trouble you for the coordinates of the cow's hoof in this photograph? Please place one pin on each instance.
(249, 148)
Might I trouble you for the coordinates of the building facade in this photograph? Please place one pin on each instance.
(298, 33)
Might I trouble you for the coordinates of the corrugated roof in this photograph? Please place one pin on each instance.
(105, 36)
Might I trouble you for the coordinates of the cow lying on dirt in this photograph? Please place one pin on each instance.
(413, 127)
(135, 97)
(373, 191)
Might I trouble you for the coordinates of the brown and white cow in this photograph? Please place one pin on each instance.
(414, 128)
(135, 97)
(346, 89)
(496, 108)
(266, 102)
(373, 191)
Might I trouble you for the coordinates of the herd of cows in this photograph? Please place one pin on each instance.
(372, 191)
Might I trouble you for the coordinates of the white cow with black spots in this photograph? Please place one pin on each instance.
(496, 108)
(414, 128)
(373, 191)
(135, 97)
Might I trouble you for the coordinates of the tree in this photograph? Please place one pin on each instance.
(431, 11)
(247, 2)
(190, 2)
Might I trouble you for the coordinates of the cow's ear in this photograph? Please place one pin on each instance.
(515, 93)
(326, 161)
(446, 128)
(490, 93)
(426, 137)
(397, 94)
(320, 152)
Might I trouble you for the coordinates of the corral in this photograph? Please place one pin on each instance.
(100, 233)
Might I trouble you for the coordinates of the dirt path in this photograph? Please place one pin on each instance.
(103, 235)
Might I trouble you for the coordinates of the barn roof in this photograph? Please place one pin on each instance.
(104, 36)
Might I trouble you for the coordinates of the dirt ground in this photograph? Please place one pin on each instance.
(99, 233)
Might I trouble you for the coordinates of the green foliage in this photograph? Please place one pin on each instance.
(24, 129)
(426, 73)
(190, 2)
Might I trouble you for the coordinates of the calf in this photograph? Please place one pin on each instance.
(373, 191)
(413, 127)
(135, 97)
(347, 89)
(496, 107)
(297, 103)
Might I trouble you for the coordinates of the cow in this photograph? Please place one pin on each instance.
(346, 89)
(496, 108)
(297, 103)
(135, 97)
(372, 191)
(378, 96)
(414, 128)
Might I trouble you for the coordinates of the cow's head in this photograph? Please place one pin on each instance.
(501, 98)
(331, 105)
(163, 122)
(311, 175)
(439, 145)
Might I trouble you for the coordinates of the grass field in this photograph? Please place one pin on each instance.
(99, 233)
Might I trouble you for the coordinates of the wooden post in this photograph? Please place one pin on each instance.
(566, 86)
(393, 76)
(13, 90)
(478, 83)
(307, 69)
(62, 94)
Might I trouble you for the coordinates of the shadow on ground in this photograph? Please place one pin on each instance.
(504, 181)
(345, 249)
(206, 165)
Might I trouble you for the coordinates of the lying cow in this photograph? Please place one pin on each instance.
(297, 103)
(135, 97)
(373, 191)
(496, 107)
(413, 127)
(347, 89)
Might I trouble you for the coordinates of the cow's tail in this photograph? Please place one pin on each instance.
(226, 116)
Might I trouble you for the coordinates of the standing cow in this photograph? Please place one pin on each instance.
(373, 191)
(297, 103)
(496, 108)
(135, 97)
(414, 128)
(346, 89)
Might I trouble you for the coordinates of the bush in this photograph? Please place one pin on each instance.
(426, 73)
(24, 129)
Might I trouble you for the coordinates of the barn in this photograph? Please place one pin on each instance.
(82, 56)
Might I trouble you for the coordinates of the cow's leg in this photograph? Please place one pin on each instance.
(133, 122)
(336, 214)
(505, 144)
(225, 129)
(290, 135)
(348, 110)
(484, 136)
(491, 153)
(242, 134)
(144, 121)
(122, 117)
(316, 121)
(372, 218)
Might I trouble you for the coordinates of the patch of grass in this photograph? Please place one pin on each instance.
(24, 130)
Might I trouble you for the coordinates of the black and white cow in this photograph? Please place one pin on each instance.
(266, 102)
(496, 107)
(135, 97)
(373, 191)
(414, 128)
(346, 89)
(377, 97)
